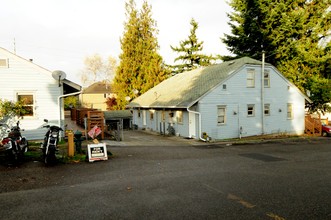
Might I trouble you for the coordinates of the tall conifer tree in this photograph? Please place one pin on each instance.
(190, 52)
(141, 67)
(295, 35)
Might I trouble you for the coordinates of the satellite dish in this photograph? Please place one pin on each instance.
(59, 75)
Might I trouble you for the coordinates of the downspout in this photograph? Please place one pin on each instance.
(199, 115)
(58, 101)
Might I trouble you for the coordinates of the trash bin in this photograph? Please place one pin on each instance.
(78, 141)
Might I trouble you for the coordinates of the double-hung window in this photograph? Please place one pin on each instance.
(266, 78)
(251, 78)
(267, 109)
(250, 110)
(289, 111)
(180, 117)
(221, 114)
(28, 103)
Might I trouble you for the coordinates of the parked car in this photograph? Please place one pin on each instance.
(326, 130)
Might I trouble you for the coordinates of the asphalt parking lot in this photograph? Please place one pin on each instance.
(156, 177)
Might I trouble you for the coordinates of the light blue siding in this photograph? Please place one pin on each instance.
(236, 97)
(157, 125)
(234, 94)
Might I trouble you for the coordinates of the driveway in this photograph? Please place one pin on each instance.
(155, 177)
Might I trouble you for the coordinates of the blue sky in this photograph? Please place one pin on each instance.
(59, 34)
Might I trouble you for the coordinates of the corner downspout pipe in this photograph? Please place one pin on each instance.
(199, 115)
(58, 101)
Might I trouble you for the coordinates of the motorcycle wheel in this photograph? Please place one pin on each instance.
(50, 158)
(14, 158)
(25, 147)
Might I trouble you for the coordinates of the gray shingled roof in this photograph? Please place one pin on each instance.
(182, 90)
(116, 114)
(98, 88)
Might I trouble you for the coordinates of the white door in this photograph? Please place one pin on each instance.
(192, 126)
(144, 118)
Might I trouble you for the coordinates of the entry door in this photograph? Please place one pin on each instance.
(192, 126)
(144, 118)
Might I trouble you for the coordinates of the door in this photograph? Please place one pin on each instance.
(192, 125)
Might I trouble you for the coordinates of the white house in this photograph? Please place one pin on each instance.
(223, 101)
(22, 79)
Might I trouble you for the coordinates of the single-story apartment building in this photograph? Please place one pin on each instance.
(233, 99)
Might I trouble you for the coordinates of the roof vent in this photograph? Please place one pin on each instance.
(232, 62)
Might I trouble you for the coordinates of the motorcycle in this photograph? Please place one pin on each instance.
(15, 144)
(49, 146)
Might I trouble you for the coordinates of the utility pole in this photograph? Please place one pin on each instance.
(262, 92)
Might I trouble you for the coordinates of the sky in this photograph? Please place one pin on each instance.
(60, 34)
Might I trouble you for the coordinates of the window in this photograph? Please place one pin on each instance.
(4, 63)
(250, 110)
(151, 114)
(266, 78)
(179, 117)
(221, 115)
(289, 111)
(139, 113)
(224, 86)
(251, 78)
(266, 109)
(28, 104)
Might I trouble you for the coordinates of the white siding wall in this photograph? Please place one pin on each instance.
(23, 76)
(237, 96)
(154, 125)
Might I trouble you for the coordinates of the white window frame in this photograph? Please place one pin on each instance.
(250, 110)
(266, 78)
(179, 115)
(250, 80)
(289, 111)
(221, 114)
(267, 109)
(33, 105)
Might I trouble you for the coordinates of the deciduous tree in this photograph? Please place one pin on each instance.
(97, 69)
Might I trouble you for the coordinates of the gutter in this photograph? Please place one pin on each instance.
(199, 115)
(58, 101)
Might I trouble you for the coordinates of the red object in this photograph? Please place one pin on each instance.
(94, 132)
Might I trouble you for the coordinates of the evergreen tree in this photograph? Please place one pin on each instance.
(301, 35)
(247, 31)
(296, 37)
(141, 67)
(190, 50)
